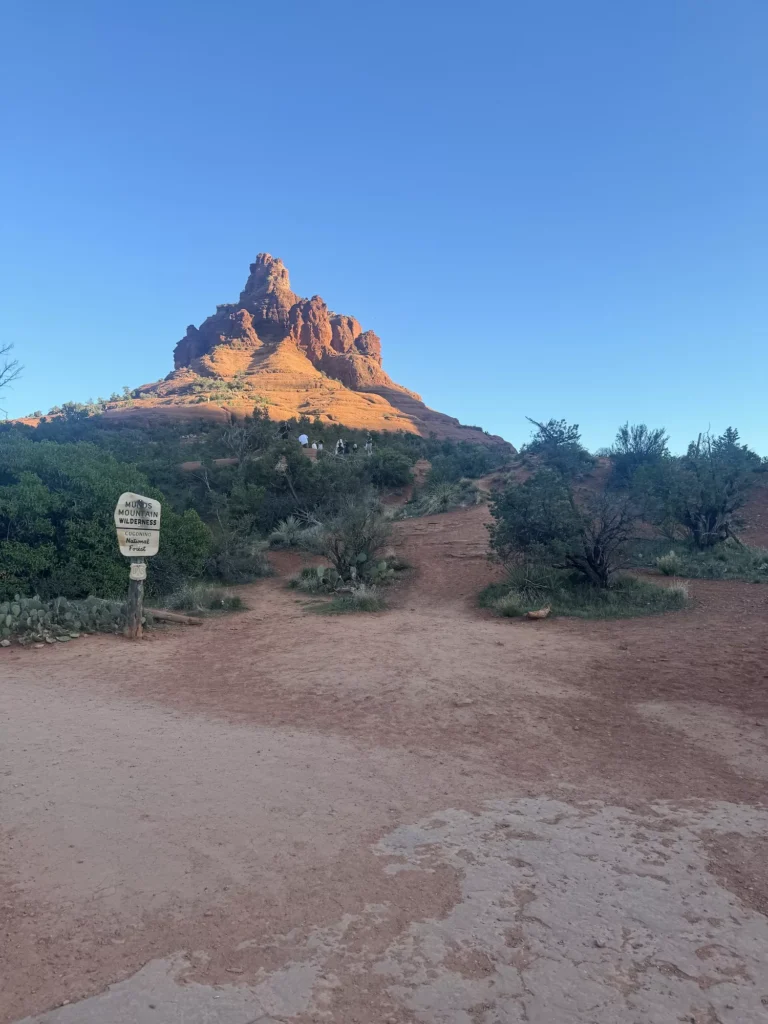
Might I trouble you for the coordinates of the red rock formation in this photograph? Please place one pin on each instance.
(296, 355)
(311, 328)
(269, 314)
(267, 293)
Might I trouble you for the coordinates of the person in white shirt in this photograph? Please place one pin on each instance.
(303, 440)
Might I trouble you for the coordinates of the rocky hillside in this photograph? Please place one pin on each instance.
(295, 356)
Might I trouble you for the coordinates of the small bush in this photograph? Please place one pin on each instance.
(454, 462)
(627, 597)
(533, 582)
(286, 534)
(317, 579)
(397, 563)
(557, 446)
(510, 605)
(183, 551)
(541, 520)
(637, 447)
(309, 538)
(236, 561)
(729, 560)
(352, 537)
(360, 598)
(31, 619)
(441, 497)
(324, 579)
(381, 572)
(670, 564)
(201, 598)
(680, 589)
(388, 468)
(704, 490)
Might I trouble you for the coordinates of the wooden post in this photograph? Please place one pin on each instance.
(134, 608)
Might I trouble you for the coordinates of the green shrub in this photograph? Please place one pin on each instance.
(352, 537)
(271, 481)
(318, 579)
(703, 491)
(59, 483)
(628, 597)
(635, 448)
(381, 572)
(236, 560)
(679, 591)
(541, 521)
(533, 582)
(185, 546)
(729, 560)
(33, 619)
(536, 519)
(360, 598)
(386, 467)
(556, 445)
(510, 605)
(463, 460)
(441, 497)
(670, 564)
(57, 528)
(202, 597)
(286, 534)
(324, 579)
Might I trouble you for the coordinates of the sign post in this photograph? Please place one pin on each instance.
(138, 534)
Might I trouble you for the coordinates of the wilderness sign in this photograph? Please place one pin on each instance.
(138, 525)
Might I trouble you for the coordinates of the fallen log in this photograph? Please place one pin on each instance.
(163, 616)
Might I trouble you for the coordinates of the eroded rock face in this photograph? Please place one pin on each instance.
(311, 328)
(369, 344)
(293, 356)
(267, 293)
(344, 331)
(269, 313)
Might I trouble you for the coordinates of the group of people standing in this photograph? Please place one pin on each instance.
(342, 447)
(345, 448)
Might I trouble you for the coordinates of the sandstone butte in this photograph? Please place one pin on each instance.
(292, 355)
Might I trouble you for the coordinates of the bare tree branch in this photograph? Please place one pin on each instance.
(10, 369)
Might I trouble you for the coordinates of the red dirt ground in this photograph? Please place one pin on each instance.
(212, 789)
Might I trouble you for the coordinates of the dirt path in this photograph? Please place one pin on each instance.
(425, 815)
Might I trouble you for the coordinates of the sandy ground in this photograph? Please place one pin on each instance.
(427, 815)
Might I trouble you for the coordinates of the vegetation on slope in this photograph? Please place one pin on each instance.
(57, 528)
(576, 540)
(231, 490)
(59, 483)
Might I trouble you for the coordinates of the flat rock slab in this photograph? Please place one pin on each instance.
(155, 996)
(567, 914)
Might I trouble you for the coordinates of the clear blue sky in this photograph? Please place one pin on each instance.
(543, 207)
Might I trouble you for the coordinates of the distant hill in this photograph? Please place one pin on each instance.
(295, 356)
